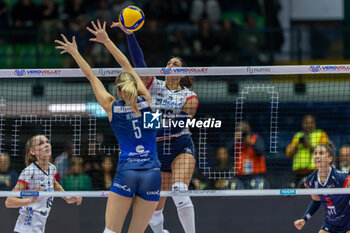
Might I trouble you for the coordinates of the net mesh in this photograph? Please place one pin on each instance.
(260, 117)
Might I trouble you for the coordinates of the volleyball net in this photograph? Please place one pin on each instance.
(246, 123)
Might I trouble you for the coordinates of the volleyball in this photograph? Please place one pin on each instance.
(132, 18)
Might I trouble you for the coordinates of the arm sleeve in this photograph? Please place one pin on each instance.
(311, 209)
(135, 51)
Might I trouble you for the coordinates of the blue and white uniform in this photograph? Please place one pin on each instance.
(32, 218)
(337, 207)
(138, 170)
(172, 141)
(170, 103)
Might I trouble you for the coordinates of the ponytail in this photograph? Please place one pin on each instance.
(187, 81)
(127, 86)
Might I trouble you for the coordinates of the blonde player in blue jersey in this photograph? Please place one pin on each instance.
(138, 177)
(175, 147)
(337, 207)
(39, 175)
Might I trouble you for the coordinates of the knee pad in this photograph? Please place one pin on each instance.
(108, 231)
(181, 202)
(157, 218)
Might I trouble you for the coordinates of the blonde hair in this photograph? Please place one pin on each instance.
(29, 157)
(126, 84)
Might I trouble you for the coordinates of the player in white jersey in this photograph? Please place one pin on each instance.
(138, 179)
(39, 175)
(175, 147)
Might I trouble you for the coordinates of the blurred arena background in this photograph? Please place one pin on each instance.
(204, 33)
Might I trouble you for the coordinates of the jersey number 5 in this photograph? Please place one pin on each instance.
(137, 130)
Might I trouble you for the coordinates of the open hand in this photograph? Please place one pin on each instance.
(66, 46)
(115, 24)
(99, 31)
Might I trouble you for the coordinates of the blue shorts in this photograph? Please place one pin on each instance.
(143, 183)
(334, 229)
(168, 150)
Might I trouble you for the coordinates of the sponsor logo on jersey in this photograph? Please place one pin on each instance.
(123, 187)
(168, 102)
(137, 160)
(140, 149)
(153, 192)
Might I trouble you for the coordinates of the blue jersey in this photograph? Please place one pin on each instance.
(337, 207)
(137, 145)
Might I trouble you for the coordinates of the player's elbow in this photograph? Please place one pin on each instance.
(8, 203)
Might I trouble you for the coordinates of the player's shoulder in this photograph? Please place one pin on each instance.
(28, 172)
(339, 175)
(311, 179)
(187, 93)
(156, 83)
(52, 166)
(30, 168)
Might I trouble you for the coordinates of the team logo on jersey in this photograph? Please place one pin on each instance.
(151, 120)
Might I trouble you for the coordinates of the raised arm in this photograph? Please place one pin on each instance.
(103, 97)
(134, 48)
(135, 51)
(102, 37)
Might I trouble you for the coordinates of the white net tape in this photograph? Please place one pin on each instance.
(183, 71)
(193, 71)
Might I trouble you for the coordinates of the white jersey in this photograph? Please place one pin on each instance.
(169, 102)
(32, 218)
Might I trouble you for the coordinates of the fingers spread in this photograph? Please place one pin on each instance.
(64, 38)
(92, 31)
(94, 25)
(59, 42)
